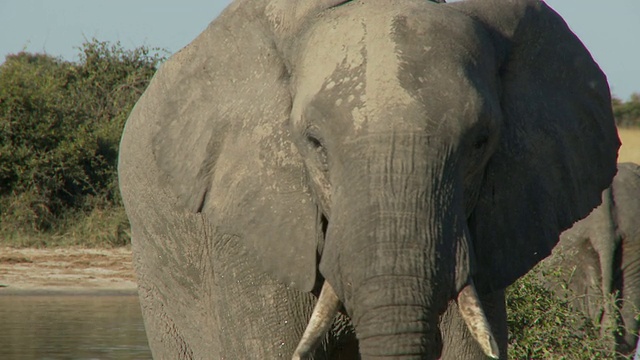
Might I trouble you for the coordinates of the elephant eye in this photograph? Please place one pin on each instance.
(314, 141)
(320, 152)
(481, 141)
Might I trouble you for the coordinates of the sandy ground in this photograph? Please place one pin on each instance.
(66, 270)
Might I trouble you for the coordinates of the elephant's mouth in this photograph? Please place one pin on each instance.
(328, 306)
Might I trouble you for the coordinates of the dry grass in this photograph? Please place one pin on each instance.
(630, 150)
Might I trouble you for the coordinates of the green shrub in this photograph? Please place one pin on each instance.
(60, 125)
(543, 325)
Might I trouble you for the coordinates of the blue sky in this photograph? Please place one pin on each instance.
(609, 29)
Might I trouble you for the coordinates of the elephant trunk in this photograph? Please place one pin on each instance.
(396, 250)
(328, 305)
(392, 323)
(404, 246)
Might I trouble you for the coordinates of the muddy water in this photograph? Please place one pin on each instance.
(71, 327)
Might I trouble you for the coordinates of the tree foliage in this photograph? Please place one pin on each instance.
(60, 125)
(627, 113)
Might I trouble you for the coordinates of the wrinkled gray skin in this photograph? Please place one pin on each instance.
(600, 256)
(396, 149)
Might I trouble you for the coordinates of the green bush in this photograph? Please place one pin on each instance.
(60, 125)
(543, 325)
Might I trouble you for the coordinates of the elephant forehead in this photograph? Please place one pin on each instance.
(374, 61)
(352, 60)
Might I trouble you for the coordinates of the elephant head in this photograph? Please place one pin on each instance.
(396, 152)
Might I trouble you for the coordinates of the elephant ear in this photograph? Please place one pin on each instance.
(558, 144)
(222, 142)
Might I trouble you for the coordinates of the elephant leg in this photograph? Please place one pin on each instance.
(457, 342)
(630, 292)
(165, 338)
(581, 271)
(173, 283)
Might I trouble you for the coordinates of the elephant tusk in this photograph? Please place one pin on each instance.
(321, 319)
(473, 315)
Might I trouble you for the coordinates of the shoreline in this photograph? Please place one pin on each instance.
(66, 271)
(71, 292)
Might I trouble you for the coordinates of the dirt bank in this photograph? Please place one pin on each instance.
(66, 270)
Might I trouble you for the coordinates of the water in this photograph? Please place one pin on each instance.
(48, 327)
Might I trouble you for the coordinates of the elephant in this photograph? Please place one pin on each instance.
(598, 259)
(336, 179)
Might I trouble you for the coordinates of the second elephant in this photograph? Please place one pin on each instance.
(599, 259)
